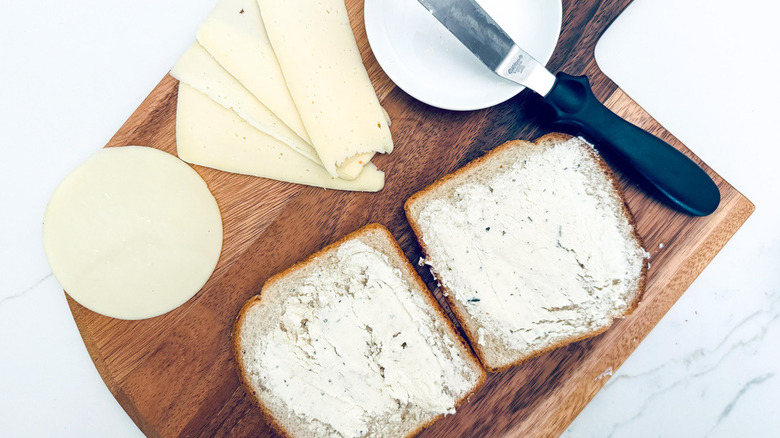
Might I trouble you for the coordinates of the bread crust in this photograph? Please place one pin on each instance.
(242, 375)
(398, 252)
(470, 333)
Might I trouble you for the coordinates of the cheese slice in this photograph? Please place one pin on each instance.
(211, 135)
(319, 57)
(233, 33)
(132, 233)
(201, 71)
(352, 166)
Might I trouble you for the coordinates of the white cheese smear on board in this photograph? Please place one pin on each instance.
(358, 345)
(538, 248)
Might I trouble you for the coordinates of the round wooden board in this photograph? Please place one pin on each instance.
(174, 374)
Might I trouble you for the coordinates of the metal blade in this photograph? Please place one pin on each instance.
(473, 27)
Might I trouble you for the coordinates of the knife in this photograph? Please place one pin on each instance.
(658, 167)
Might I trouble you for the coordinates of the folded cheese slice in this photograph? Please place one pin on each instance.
(234, 35)
(211, 135)
(319, 57)
(198, 69)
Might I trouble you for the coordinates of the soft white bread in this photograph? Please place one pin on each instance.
(533, 246)
(351, 343)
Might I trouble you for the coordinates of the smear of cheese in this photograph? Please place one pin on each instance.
(354, 344)
(233, 33)
(319, 57)
(198, 69)
(214, 136)
(536, 253)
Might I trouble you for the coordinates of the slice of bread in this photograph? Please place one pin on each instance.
(533, 246)
(350, 342)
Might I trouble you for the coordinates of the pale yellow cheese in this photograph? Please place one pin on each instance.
(319, 57)
(211, 135)
(132, 233)
(234, 35)
(352, 166)
(198, 69)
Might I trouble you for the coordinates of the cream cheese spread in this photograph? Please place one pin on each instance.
(355, 344)
(535, 252)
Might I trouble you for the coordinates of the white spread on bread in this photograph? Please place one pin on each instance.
(534, 252)
(350, 344)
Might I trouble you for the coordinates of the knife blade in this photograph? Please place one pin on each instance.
(660, 168)
(477, 30)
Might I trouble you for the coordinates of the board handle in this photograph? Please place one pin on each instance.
(661, 169)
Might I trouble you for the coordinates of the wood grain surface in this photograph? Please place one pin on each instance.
(174, 374)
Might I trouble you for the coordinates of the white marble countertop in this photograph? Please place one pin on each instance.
(72, 72)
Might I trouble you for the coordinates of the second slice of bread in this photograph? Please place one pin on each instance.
(533, 246)
(351, 343)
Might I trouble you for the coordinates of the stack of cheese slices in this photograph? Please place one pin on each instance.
(277, 89)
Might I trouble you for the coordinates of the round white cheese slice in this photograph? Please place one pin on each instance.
(132, 233)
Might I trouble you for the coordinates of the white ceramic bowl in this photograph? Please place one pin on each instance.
(430, 64)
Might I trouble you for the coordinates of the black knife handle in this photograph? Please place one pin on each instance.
(656, 165)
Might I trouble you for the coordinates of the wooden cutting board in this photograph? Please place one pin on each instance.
(174, 374)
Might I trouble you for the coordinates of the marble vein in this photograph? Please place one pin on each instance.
(22, 293)
(730, 406)
(734, 347)
(773, 311)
